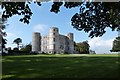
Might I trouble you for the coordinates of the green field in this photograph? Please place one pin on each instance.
(61, 66)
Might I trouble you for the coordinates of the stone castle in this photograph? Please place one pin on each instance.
(53, 42)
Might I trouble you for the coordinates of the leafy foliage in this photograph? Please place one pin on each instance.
(3, 25)
(27, 48)
(19, 8)
(83, 47)
(4, 41)
(93, 17)
(15, 49)
(116, 45)
(17, 41)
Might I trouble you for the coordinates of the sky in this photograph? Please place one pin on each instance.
(41, 21)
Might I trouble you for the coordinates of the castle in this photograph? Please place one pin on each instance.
(53, 42)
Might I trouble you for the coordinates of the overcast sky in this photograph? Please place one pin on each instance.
(43, 19)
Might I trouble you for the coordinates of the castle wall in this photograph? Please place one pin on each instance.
(36, 42)
(69, 45)
(70, 36)
(45, 44)
(70, 41)
(53, 42)
(62, 44)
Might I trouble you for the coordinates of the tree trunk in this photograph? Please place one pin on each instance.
(1, 44)
(18, 46)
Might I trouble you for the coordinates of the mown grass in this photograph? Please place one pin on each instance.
(61, 66)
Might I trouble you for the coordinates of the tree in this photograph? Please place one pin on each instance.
(93, 17)
(83, 47)
(2, 33)
(27, 48)
(116, 45)
(17, 41)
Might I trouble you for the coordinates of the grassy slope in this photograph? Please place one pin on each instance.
(61, 66)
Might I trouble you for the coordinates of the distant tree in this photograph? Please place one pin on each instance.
(15, 49)
(27, 48)
(75, 46)
(116, 45)
(17, 41)
(92, 52)
(83, 47)
(93, 17)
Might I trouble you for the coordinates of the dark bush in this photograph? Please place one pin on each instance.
(15, 49)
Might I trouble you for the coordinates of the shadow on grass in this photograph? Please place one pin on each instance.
(60, 67)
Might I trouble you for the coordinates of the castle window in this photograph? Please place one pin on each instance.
(54, 46)
(68, 48)
(54, 39)
(53, 33)
(67, 43)
(57, 30)
(53, 29)
(61, 47)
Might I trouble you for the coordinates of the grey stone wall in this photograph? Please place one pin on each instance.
(54, 42)
(36, 42)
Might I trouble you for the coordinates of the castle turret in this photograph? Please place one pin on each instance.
(36, 42)
(53, 40)
(70, 36)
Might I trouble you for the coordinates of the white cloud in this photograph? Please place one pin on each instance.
(42, 28)
(10, 35)
(100, 45)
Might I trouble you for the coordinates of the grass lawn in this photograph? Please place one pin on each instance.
(61, 66)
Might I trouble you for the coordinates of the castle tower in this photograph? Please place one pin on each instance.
(70, 36)
(71, 43)
(36, 42)
(53, 40)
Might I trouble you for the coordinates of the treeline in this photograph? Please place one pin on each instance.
(82, 47)
(26, 50)
(79, 48)
(116, 45)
